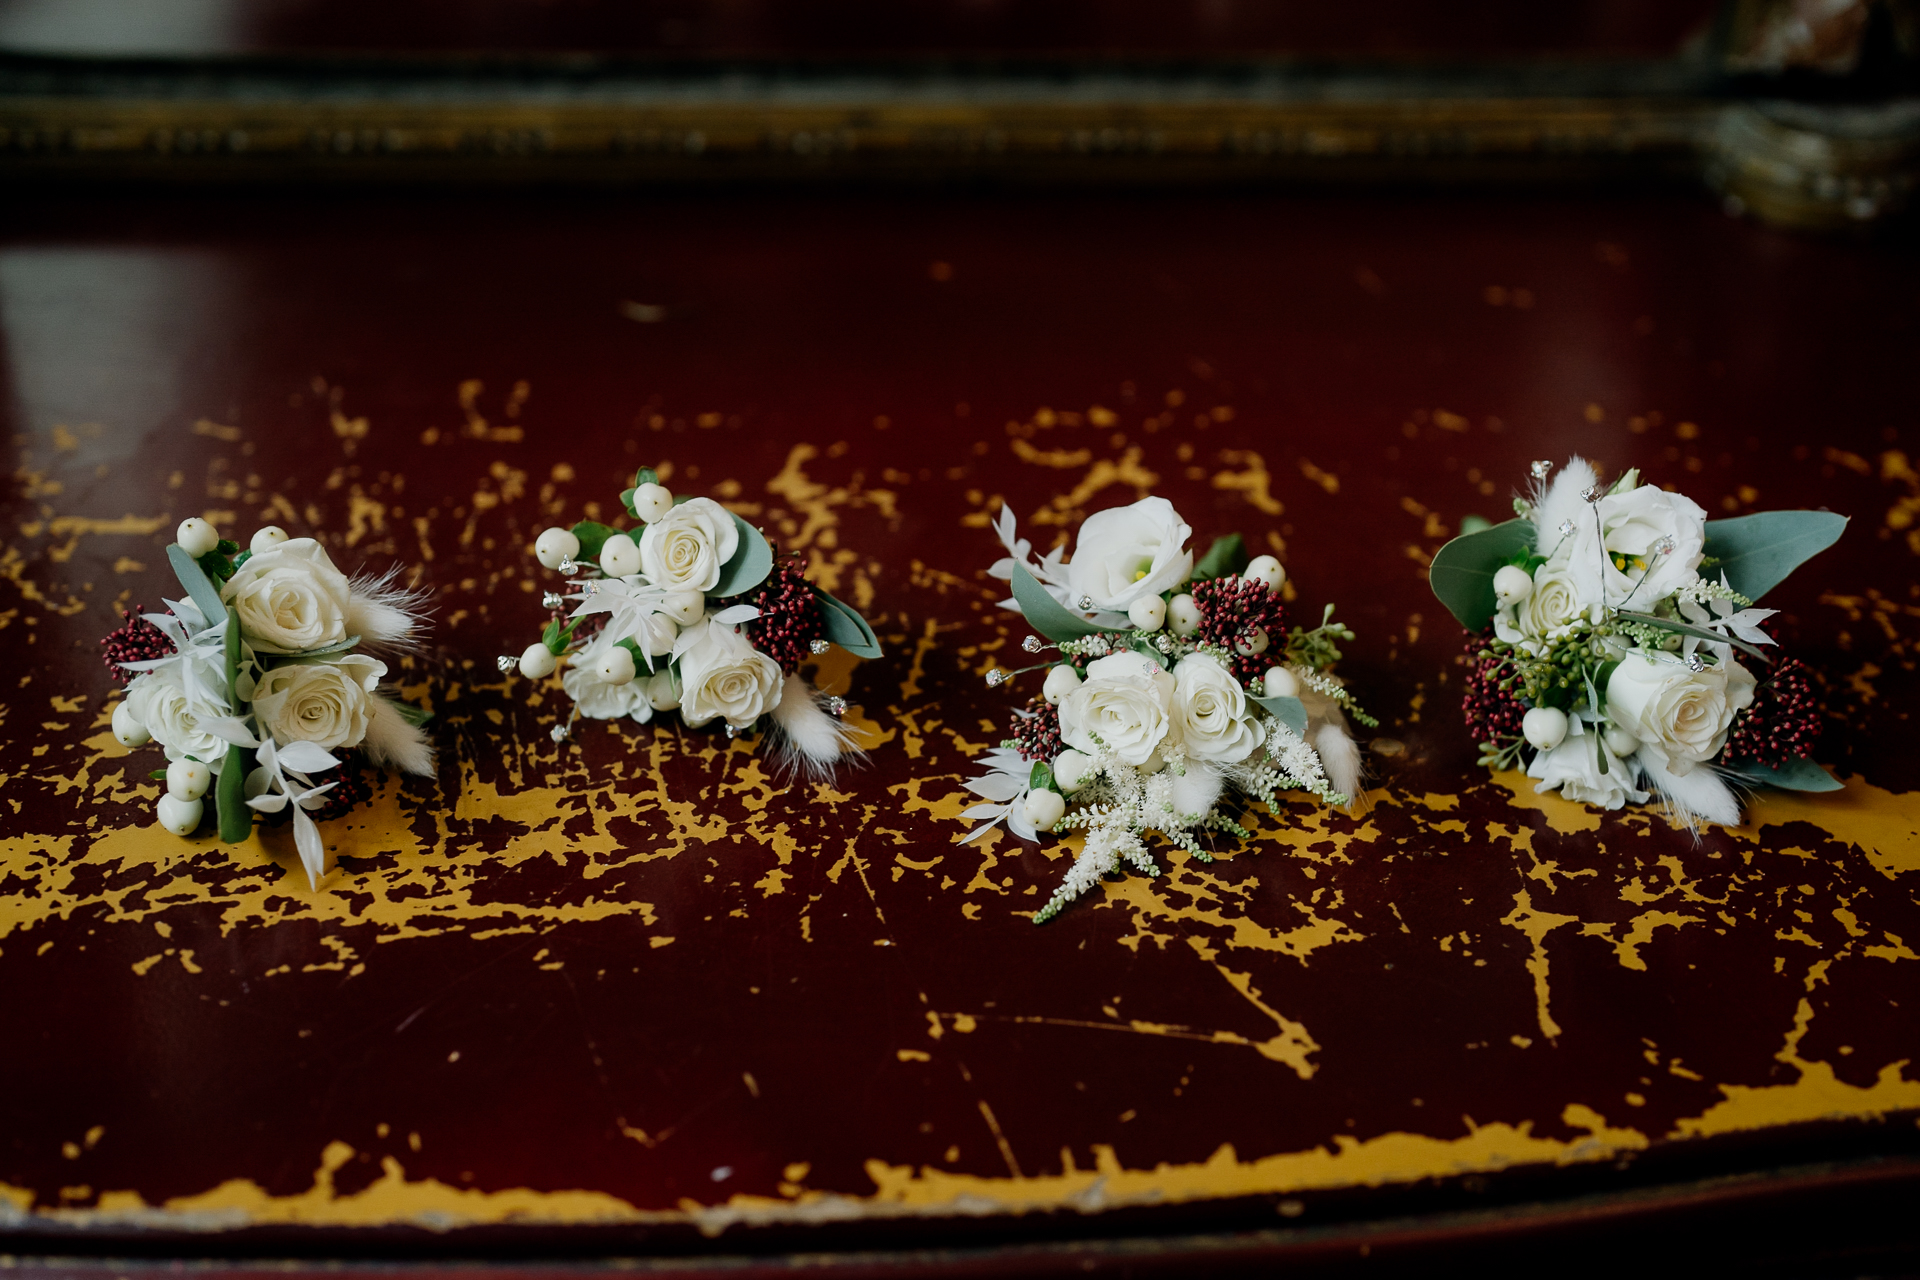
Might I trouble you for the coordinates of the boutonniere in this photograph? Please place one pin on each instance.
(258, 686)
(1615, 653)
(693, 613)
(1174, 685)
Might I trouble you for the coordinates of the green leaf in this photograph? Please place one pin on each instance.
(230, 798)
(751, 563)
(194, 580)
(233, 654)
(216, 563)
(555, 637)
(1757, 552)
(1226, 557)
(1288, 711)
(1147, 647)
(593, 539)
(645, 475)
(1042, 777)
(1462, 574)
(158, 774)
(845, 627)
(1799, 774)
(1688, 629)
(1048, 616)
(324, 651)
(1474, 524)
(242, 558)
(413, 715)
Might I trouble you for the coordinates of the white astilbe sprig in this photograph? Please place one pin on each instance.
(1004, 786)
(280, 779)
(1714, 607)
(1289, 763)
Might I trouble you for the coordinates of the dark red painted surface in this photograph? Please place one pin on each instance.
(1382, 342)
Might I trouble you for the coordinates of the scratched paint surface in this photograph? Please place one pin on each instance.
(633, 979)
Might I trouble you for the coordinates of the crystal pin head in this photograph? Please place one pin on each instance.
(1086, 602)
(553, 600)
(1566, 527)
(1664, 547)
(996, 678)
(1696, 663)
(1031, 644)
(836, 706)
(569, 566)
(818, 646)
(506, 662)
(559, 733)
(1541, 469)
(1593, 493)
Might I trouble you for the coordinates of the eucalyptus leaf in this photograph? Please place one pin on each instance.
(751, 563)
(1048, 616)
(1799, 774)
(229, 798)
(1757, 552)
(1462, 573)
(1688, 629)
(593, 540)
(199, 587)
(845, 627)
(1227, 556)
(1288, 711)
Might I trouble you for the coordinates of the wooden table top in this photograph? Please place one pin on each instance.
(627, 992)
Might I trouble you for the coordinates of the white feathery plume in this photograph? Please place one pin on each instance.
(1559, 501)
(807, 738)
(1328, 734)
(394, 740)
(1695, 797)
(1194, 792)
(383, 613)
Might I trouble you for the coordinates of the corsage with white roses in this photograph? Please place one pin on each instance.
(1174, 680)
(695, 613)
(1615, 653)
(251, 684)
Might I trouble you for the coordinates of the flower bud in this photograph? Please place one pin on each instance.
(180, 816)
(196, 537)
(1183, 614)
(651, 501)
(1044, 808)
(1061, 681)
(1148, 613)
(1621, 741)
(620, 556)
(1266, 571)
(188, 779)
(1545, 727)
(1071, 770)
(616, 665)
(684, 607)
(1248, 646)
(266, 538)
(1280, 683)
(663, 690)
(555, 545)
(127, 730)
(537, 662)
(1511, 585)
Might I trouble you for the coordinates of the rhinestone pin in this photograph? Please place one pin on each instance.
(559, 733)
(819, 646)
(836, 706)
(1031, 644)
(1593, 493)
(1696, 663)
(1566, 527)
(506, 662)
(1086, 602)
(569, 566)
(1664, 547)
(1541, 469)
(552, 600)
(996, 678)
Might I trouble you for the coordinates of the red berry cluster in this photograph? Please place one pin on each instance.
(350, 787)
(1782, 722)
(1231, 610)
(789, 620)
(137, 641)
(1493, 713)
(1037, 736)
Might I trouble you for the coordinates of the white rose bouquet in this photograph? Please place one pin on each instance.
(694, 613)
(251, 684)
(1614, 650)
(1173, 681)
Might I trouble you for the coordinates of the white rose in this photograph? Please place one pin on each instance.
(722, 675)
(1126, 702)
(1681, 716)
(290, 598)
(1616, 560)
(158, 701)
(1553, 603)
(684, 549)
(1574, 768)
(1126, 553)
(1211, 713)
(599, 700)
(325, 702)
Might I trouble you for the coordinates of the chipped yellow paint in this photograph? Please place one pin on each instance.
(1885, 825)
(1563, 815)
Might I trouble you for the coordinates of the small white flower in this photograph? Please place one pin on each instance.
(598, 700)
(1574, 767)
